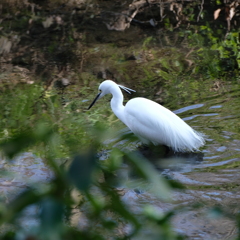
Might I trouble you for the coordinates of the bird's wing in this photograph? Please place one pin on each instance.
(156, 123)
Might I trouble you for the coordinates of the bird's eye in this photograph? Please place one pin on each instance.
(100, 90)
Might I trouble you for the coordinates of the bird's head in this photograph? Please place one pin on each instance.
(105, 87)
(108, 86)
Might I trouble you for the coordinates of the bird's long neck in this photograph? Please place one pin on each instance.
(117, 103)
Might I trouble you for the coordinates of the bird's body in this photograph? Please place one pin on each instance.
(151, 121)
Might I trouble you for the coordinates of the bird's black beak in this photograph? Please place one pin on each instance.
(96, 98)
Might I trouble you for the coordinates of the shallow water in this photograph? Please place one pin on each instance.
(211, 177)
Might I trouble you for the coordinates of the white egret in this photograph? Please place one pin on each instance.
(150, 121)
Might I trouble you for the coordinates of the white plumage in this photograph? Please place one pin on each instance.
(150, 121)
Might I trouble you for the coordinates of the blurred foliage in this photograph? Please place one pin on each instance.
(34, 120)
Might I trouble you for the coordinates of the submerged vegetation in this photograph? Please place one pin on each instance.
(53, 55)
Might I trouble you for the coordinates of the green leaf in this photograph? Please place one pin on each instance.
(115, 160)
(160, 185)
(24, 139)
(116, 205)
(17, 144)
(80, 171)
(23, 200)
(164, 74)
(51, 216)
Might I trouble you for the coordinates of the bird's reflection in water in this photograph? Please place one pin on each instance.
(163, 157)
(164, 160)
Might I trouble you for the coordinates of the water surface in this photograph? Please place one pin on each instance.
(211, 177)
